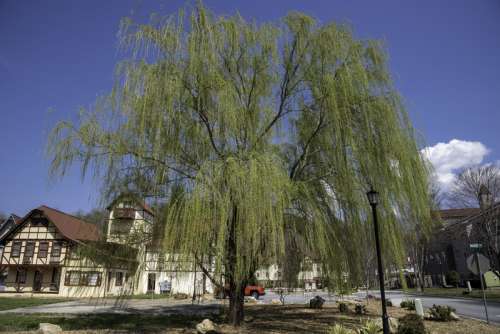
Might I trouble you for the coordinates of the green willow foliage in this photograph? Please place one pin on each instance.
(262, 140)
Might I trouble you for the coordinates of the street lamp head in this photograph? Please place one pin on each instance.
(485, 198)
(373, 196)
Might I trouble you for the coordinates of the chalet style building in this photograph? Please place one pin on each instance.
(51, 252)
(37, 247)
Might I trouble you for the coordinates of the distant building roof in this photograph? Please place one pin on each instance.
(134, 198)
(8, 224)
(456, 214)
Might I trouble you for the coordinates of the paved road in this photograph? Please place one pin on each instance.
(466, 307)
(472, 308)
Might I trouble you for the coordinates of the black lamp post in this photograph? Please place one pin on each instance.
(373, 197)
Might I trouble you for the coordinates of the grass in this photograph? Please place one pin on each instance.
(8, 303)
(491, 294)
(121, 322)
(259, 319)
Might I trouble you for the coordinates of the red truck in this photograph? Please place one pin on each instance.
(250, 290)
(255, 291)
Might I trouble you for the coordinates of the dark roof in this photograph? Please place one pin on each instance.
(457, 214)
(8, 225)
(69, 226)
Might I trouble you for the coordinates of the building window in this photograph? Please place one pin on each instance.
(94, 278)
(29, 251)
(43, 248)
(82, 278)
(21, 276)
(72, 278)
(119, 278)
(55, 254)
(16, 248)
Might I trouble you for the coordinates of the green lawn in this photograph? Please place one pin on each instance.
(124, 322)
(7, 303)
(491, 294)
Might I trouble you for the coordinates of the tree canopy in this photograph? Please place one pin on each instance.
(261, 140)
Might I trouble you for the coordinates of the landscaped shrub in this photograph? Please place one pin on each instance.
(180, 295)
(388, 302)
(370, 327)
(408, 304)
(411, 324)
(343, 308)
(360, 309)
(339, 329)
(441, 312)
(453, 278)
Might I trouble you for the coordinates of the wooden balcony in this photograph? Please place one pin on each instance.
(124, 213)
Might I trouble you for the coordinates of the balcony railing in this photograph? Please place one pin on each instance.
(124, 213)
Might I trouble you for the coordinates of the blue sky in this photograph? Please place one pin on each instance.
(59, 55)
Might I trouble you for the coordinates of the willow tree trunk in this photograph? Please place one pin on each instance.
(236, 287)
(236, 304)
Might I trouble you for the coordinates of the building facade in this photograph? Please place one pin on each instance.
(51, 252)
(449, 248)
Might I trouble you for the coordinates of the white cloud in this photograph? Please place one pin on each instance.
(448, 158)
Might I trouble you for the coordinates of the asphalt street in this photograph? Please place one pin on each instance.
(471, 308)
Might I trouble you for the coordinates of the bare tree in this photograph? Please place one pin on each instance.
(465, 190)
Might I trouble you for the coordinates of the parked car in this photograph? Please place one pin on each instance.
(250, 290)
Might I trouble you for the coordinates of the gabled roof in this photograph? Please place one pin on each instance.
(69, 226)
(134, 198)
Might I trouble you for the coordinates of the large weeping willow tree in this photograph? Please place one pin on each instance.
(261, 140)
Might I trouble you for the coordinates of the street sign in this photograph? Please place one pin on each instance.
(484, 263)
(476, 246)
